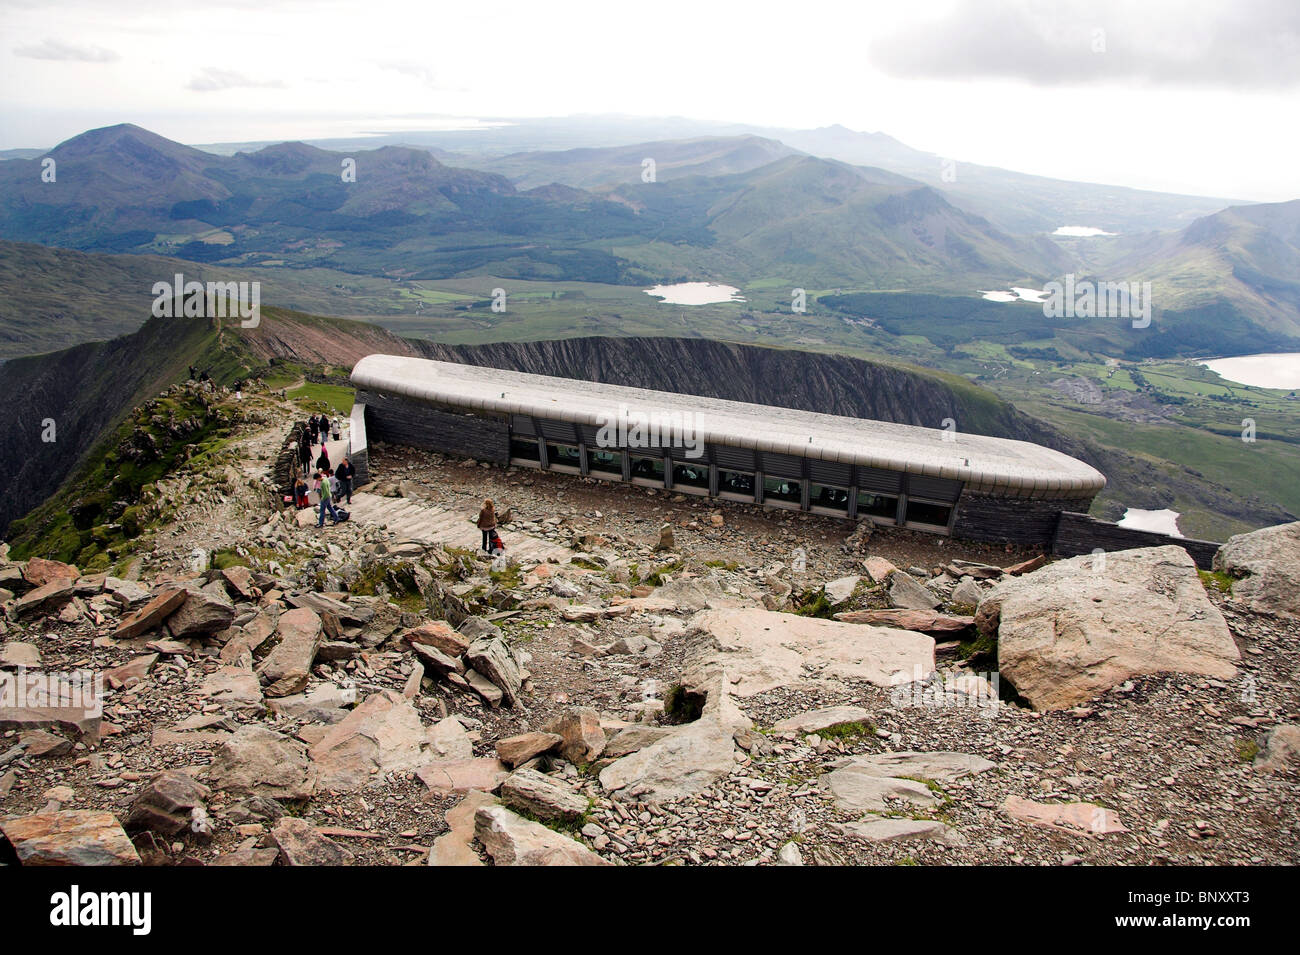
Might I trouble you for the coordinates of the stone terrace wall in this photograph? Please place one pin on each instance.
(1080, 534)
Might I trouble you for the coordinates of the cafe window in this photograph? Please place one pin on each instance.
(779, 490)
(524, 448)
(928, 514)
(603, 461)
(563, 456)
(691, 475)
(648, 469)
(824, 497)
(738, 484)
(883, 507)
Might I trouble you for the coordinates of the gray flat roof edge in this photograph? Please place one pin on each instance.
(1053, 474)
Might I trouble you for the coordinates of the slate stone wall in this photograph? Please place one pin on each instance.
(418, 424)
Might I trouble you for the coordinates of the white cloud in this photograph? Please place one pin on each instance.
(212, 79)
(51, 49)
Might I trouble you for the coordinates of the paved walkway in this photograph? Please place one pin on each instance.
(428, 524)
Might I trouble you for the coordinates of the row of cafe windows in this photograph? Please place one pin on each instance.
(743, 474)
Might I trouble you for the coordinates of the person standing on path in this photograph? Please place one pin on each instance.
(345, 473)
(487, 522)
(326, 503)
(304, 448)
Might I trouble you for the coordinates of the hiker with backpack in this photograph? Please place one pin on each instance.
(487, 522)
(326, 501)
(346, 473)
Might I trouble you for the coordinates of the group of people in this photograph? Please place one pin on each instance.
(330, 484)
(322, 426)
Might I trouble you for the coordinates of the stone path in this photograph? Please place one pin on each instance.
(427, 524)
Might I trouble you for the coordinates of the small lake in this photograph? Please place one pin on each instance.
(1162, 522)
(1262, 371)
(695, 293)
(1082, 231)
(1016, 294)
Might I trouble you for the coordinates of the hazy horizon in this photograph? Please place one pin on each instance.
(1165, 97)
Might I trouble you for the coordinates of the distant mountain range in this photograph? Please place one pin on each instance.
(1246, 256)
(740, 209)
(743, 208)
(1013, 201)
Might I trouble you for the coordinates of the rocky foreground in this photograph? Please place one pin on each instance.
(681, 684)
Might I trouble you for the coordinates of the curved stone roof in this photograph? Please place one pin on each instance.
(987, 465)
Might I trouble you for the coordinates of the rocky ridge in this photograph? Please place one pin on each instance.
(691, 685)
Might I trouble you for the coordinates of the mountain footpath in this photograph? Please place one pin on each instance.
(665, 682)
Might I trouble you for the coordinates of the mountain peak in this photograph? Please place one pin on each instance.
(126, 139)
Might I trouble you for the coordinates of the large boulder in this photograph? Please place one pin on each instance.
(382, 735)
(492, 658)
(542, 796)
(286, 669)
(38, 571)
(259, 761)
(762, 650)
(683, 763)
(151, 615)
(45, 599)
(167, 804)
(516, 750)
(876, 782)
(440, 635)
(582, 738)
(688, 759)
(1078, 627)
(907, 593)
(1269, 562)
(69, 837)
(301, 843)
(203, 613)
(513, 840)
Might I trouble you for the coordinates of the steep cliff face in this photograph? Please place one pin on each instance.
(60, 405)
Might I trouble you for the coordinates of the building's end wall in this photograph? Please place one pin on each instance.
(419, 425)
(1022, 521)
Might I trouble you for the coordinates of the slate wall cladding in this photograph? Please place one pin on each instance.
(361, 461)
(1080, 534)
(986, 518)
(423, 425)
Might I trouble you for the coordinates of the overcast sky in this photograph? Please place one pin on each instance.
(1176, 95)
